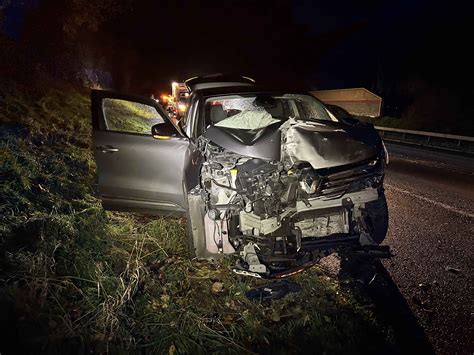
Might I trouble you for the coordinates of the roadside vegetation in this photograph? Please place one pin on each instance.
(130, 116)
(75, 278)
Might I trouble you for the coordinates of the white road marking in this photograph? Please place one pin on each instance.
(426, 199)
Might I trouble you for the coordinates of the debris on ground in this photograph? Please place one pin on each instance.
(273, 291)
(422, 304)
(452, 269)
(424, 286)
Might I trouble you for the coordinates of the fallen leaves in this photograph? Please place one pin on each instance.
(231, 305)
(228, 319)
(275, 316)
(217, 287)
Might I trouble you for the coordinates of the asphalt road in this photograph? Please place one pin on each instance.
(431, 231)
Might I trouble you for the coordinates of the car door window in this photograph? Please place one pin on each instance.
(130, 117)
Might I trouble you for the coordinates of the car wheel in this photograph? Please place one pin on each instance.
(377, 218)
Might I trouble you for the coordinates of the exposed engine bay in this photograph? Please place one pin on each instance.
(281, 215)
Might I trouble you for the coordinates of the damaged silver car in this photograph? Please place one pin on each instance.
(271, 177)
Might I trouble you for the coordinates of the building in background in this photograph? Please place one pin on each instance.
(357, 101)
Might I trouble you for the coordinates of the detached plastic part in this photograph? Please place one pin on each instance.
(273, 291)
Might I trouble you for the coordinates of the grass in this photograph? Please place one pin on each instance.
(75, 278)
(128, 116)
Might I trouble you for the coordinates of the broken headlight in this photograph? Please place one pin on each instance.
(310, 182)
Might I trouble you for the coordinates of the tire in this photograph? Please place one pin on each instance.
(377, 218)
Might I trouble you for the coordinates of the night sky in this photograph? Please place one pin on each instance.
(319, 44)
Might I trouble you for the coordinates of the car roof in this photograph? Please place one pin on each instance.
(229, 90)
(217, 81)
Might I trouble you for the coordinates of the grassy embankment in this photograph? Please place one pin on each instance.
(74, 277)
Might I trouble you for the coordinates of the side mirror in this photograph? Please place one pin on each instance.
(163, 131)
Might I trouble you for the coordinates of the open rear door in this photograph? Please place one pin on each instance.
(136, 170)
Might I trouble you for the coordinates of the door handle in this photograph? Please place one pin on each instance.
(107, 149)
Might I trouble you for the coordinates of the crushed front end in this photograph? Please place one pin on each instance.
(282, 215)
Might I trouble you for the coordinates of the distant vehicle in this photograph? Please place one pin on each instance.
(180, 100)
(171, 109)
(179, 91)
(272, 177)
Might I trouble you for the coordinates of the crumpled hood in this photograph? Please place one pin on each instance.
(263, 143)
(328, 144)
(322, 144)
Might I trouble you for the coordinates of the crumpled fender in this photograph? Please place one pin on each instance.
(326, 145)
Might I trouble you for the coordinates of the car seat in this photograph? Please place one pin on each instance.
(276, 110)
(217, 113)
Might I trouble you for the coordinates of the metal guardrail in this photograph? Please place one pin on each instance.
(428, 135)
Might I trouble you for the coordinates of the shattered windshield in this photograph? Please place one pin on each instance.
(257, 111)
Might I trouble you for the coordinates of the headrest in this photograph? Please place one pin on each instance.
(217, 113)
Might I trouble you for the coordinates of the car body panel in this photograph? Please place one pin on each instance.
(325, 145)
(218, 81)
(137, 172)
(143, 170)
(266, 146)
